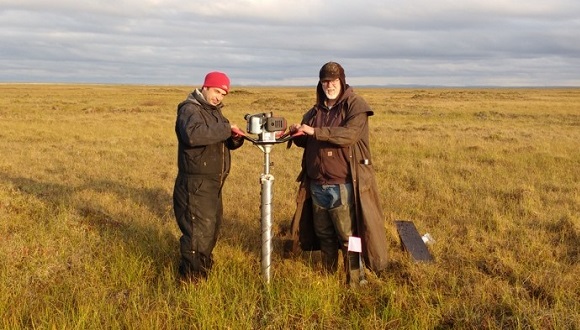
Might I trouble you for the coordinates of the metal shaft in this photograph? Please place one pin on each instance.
(266, 180)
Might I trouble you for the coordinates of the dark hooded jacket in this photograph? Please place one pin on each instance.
(353, 136)
(204, 138)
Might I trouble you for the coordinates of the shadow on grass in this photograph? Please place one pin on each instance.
(158, 238)
(148, 232)
(140, 236)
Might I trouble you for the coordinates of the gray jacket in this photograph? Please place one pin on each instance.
(204, 137)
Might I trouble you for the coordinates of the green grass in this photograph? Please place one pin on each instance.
(88, 239)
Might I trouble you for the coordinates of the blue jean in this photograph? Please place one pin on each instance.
(330, 196)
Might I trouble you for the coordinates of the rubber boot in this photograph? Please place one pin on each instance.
(196, 267)
(324, 229)
(353, 269)
(342, 217)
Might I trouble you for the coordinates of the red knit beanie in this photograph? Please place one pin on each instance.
(217, 79)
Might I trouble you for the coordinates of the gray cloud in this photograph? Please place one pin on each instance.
(283, 42)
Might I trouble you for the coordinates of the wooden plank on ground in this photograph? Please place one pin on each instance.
(412, 242)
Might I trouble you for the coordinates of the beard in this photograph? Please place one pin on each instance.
(332, 95)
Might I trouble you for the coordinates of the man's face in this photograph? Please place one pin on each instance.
(331, 88)
(213, 95)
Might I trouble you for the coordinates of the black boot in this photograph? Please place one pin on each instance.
(324, 229)
(354, 271)
(195, 268)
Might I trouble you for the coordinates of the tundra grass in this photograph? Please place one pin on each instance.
(88, 239)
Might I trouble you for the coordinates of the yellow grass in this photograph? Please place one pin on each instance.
(88, 239)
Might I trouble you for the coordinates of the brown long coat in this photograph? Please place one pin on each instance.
(370, 223)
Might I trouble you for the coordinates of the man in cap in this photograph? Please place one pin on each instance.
(338, 196)
(205, 138)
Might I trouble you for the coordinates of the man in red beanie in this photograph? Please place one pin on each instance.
(205, 138)
(338, 196)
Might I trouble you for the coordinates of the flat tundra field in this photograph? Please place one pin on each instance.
(88, 239)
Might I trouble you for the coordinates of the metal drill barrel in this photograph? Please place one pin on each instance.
(267, 181)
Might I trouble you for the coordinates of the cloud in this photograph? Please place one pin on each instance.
(282, 42)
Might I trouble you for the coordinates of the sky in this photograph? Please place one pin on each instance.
(459, 43)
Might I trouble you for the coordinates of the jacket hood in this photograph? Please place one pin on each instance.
(196, 97)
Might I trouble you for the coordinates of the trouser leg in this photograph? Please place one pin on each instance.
(197, 207)
(324, 230)
(336, 219)
(342, 217)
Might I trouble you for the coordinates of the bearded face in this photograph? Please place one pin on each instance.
(331, 88)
